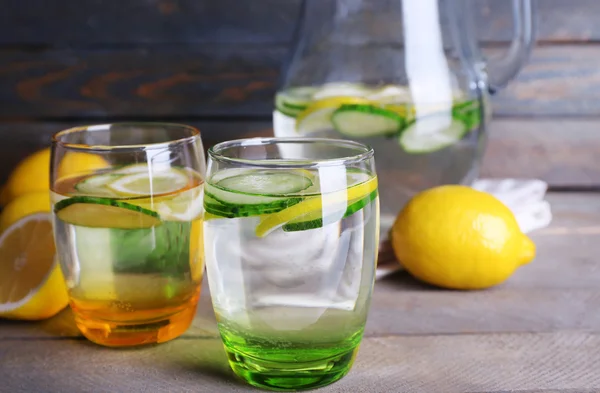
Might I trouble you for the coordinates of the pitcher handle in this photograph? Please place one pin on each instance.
(502, 70)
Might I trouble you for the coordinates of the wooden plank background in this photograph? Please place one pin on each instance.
(217, 64)
(537, 332)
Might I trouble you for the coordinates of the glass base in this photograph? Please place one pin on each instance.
(277, 373)
(138, 332)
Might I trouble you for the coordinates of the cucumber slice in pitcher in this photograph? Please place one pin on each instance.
(431, 134)
(295, 100)
(363, 121)
(98, 212)
(469, 112)
(317, 117)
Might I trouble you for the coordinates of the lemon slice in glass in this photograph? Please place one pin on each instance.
(146, 183)
(313, 205)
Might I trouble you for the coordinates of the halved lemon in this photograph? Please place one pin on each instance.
(31, 174)
(31, 282)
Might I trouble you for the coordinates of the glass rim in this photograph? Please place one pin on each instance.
(366, 152)
(195, 134)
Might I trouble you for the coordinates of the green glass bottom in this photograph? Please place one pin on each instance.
(282, 375)
(289, 366)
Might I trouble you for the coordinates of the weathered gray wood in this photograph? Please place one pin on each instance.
(106, 22)
(561, 151)
(38, 22)
(23, 138)
(558, 20)
(173, 80)
(557, 80)
(239, 80)
(526, 362)
(557, 291)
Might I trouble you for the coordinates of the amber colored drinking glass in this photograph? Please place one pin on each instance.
(127, 205)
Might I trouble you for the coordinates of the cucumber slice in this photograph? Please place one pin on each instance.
(317, 117)
(295, 100)
(360, 204)
(249, 193)
(266, 183)
(469, 113)
(314, 220)
(104, 213)
(97, 185)
(213, 206)
(231, 204)
(216, 207)
(363, 121)
(232, 198)
(431, 134)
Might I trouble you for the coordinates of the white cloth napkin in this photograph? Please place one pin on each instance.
(524, 197)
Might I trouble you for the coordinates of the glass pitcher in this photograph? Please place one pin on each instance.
(404, 76)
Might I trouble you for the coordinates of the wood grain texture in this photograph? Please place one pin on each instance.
(23, 138)
(175, 81)
(557, 20)
(554, 362)
(106, 22)
(239, 80)
(558, 80)
(72, 23)
(557, 291)
(561, 151)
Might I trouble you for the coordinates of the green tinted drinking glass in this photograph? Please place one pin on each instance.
(291, 239)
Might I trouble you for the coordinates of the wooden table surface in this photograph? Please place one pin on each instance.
(538, 332)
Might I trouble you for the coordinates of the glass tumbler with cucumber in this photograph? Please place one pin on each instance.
(405, 77)
(291, 246)
(128, 231)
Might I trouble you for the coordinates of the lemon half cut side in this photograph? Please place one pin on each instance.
(31, 282)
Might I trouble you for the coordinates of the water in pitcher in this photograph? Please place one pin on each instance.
(416, 146)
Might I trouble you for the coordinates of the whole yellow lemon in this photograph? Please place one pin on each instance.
(459, 238)
(30, 203)
(33, 172)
